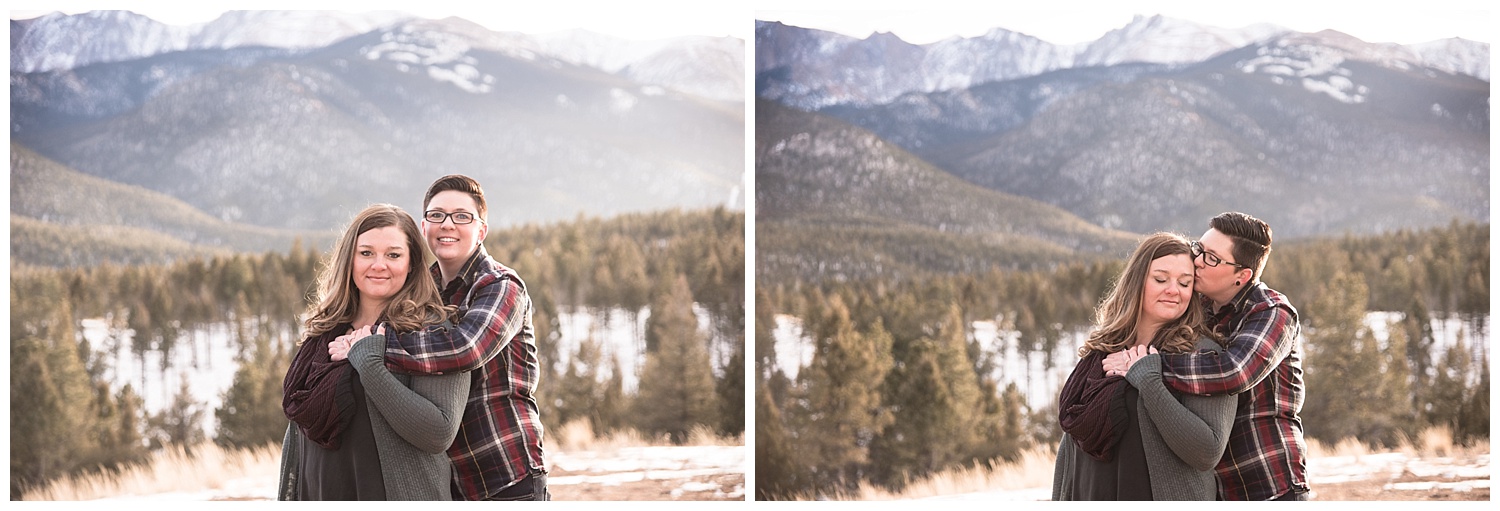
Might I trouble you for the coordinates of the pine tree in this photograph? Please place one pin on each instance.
(1450, 389)
(914, 445)
(52, 421)
(778, 469)
(677, 383)
(609, 415)
(251, 414)
(842, 411)
(181, 423)
(731, 391)
(1476, 416)
(1345, 388)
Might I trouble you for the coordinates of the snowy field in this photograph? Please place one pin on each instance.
(205, 357)
(1396, 474)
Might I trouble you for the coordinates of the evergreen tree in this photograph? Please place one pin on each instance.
(677, 383)
(52, 423)
(181, 423)
(1476, 416)
(914, 445)
(579, 391)
(778, 469)
(842, 411)
(251, 414)
(609, 416)
(1450, 389)
(1345, 387)
(731, 390)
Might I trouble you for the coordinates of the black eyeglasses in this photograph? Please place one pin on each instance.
(459, 217)
(1210, 259)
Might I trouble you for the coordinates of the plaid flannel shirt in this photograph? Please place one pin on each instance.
(500, 440)
(1262, 364)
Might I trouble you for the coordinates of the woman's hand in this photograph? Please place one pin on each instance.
(1119, 362)
(338, 349)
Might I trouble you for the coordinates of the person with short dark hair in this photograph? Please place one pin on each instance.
(1261, 363)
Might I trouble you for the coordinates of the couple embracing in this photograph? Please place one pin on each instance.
(413, 385)
(1190, 385)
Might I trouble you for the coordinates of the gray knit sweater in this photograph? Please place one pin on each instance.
(1184, 440)
(414, 418)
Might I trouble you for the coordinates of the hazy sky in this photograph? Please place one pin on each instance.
(916, 21)
(1075, 21)
(638, 19)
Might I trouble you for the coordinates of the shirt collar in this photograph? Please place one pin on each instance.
(465, 272)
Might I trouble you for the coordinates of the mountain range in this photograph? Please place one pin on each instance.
(811, 69)
(1156, 126)
(300, 135)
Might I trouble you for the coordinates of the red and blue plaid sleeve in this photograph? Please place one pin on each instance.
(1253, 352)
(496, 312)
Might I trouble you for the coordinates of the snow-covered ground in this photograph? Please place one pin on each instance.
(1379, 468)
(205, 356)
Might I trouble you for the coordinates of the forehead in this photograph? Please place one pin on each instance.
(1217, 242)
(452, 200)
(388, 236)
(1175, 264)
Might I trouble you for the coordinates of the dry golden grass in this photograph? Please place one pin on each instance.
(211, 467)
(1033, 469)
(171, 470)
(1433, 442)
(578, 436)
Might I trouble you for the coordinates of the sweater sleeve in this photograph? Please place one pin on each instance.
(286, 488)
(1196, 428)
(428, 413)
(1062, 484)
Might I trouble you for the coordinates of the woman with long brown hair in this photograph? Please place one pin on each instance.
(358, 431)
(1127, 437)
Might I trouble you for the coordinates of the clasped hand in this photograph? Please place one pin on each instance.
(1119, 362)
(338, 349)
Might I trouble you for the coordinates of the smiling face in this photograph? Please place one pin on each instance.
(453, 243)
(381, 263)
(1168, 289)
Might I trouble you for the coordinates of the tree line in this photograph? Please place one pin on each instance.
(898, 387)
(658, 264)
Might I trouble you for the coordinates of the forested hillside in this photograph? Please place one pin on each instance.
(663, 266)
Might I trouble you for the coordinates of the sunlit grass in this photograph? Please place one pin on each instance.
(172, 470)
(211, 467)
(1033, 469)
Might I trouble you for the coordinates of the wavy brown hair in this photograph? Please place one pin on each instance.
(1115, 318)
(416, 305)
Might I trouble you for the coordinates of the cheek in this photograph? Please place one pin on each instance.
(399, 269)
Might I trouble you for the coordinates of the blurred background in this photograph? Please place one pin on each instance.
(176, 184)
(943, 196)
